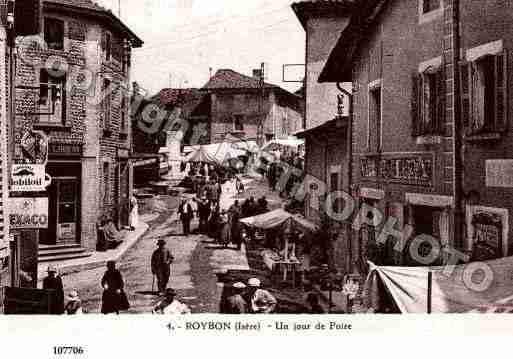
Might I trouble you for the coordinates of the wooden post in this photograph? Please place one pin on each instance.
(429, 291)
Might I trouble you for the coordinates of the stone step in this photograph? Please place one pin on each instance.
(50, 253)
(61, 257)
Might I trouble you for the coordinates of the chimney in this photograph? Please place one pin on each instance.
(257, 73)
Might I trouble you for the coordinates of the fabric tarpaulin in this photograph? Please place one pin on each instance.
(276, 218)
(201, 155)
(484, 287)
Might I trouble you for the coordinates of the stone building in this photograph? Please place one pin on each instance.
(74, 87)
(325, 129)
(431, 139)
(239, 102)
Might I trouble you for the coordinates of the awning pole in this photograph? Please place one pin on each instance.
(429, 289)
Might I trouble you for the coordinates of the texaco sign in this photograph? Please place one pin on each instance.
(28, 213)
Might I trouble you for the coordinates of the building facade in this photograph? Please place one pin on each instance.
(74, 87)
(239, 103)
(430, 139)
(326, 122)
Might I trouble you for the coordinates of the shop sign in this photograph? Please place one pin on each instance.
(499, 173)
(408, 170)
(487, 233)
(372, 193)
(29, 178)
(65, 149)
(28, 212)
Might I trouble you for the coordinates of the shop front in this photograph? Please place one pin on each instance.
(64, 167)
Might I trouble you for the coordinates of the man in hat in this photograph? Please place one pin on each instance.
(161, 260)
(54, 282)
(170, 305)
(186, 215)
(235, 303)
(259, 300)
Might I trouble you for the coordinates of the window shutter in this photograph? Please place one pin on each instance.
(440, 102)
(104, 41)
(63, 99)
(465, 95)
(501, 98)
(415, 104)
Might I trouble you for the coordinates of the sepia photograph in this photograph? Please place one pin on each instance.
(258, 157)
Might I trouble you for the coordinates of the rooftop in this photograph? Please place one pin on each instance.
(91, 8)
(322, 8)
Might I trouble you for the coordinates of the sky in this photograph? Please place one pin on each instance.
(183, 39)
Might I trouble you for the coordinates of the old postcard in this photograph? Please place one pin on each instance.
(338, 158)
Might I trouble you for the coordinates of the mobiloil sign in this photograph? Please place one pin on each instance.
(29, 178)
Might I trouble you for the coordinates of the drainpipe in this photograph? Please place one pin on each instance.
(349, 139)
(459, 215)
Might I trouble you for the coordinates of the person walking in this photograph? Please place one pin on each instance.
(186, 215)
(170, 305)
(74, 305)
(134, 213)
(235, 303)
(113, 298)
(203, 213)
(54, 282)
(161, 260)
(259, 300)
(234, 213)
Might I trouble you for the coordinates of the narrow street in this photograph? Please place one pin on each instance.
(192, 273)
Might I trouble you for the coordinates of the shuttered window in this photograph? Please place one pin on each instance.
(428, 103)
(483, 94)
(54, 33)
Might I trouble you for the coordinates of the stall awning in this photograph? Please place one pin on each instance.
(276, 218)
(459, 292)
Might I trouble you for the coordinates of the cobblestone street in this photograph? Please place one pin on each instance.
(192, 273)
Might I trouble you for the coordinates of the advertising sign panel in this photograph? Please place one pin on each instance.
(28, 213)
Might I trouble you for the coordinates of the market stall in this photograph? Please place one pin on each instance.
(479, 287)
(288, 225)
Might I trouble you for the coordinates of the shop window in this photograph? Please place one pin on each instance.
(52, 98)
(54, 33)
(238, 123)
(428, 103)
(483, 89)
(375, 119)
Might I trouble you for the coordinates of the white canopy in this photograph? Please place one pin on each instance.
(276, 218)
(225, 150)
(462, 291)
(290, 141)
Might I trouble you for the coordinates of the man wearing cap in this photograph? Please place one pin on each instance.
(260, 300)
(161, 260)
(54, 282)
(170, 305)
(235, 304)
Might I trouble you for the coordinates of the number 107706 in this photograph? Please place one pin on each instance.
(71, 350)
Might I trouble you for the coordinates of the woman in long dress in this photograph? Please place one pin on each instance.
(134, 213)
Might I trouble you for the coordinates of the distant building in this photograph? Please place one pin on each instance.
(80, 100)
(238, 103)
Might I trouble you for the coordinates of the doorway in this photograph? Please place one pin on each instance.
(63, 226)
